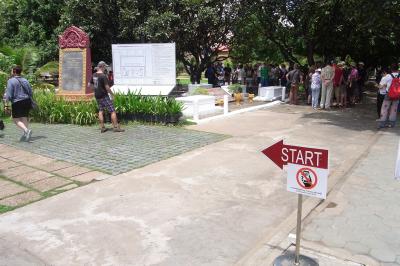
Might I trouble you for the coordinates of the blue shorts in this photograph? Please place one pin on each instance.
(105, 104)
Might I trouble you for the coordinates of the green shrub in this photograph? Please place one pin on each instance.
(133, 103)
(174, 107)
(2, 114)
(53, 109)
(6, 63)
(56, 110)
(3, 83)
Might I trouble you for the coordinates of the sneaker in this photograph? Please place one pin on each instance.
(103, 129)
(23, 137)
(117, 129)
(28, 135)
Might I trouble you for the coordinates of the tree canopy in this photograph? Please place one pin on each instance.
(254, 30)
(366, 30)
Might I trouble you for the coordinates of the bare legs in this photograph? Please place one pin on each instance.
(22, 123)
(114, 121)
(293, 94)
(101, 119)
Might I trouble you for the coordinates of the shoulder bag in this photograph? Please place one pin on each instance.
(33, 103)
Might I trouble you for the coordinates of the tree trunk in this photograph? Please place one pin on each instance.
(195, 76)
(310, 54)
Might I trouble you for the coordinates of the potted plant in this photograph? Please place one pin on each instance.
(236, 91)
(251, 97)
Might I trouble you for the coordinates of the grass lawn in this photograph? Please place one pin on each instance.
(184, 79)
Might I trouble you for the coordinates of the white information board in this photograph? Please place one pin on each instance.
(148, 68)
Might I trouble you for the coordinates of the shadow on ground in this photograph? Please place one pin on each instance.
(361, 117)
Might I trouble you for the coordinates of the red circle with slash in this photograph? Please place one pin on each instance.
(306, 178)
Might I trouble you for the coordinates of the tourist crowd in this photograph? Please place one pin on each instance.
(253, 76)
(333, 84)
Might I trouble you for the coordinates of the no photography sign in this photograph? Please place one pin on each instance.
(307, 168)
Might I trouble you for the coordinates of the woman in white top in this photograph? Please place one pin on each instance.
(315, 88)
(389, 106)
(240, 74)
(381, 92)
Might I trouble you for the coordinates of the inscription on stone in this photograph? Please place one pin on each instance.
(72, 70)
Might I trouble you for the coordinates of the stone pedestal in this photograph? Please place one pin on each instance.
(200, 104)
(270, 93)
(75, 69)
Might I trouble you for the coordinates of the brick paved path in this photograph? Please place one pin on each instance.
(64, 157)
(26, 177)
(110, 152)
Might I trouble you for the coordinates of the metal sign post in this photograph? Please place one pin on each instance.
(298, 228)
(296, 259)
(307, 175)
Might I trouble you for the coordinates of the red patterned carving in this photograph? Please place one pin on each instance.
(74, 37)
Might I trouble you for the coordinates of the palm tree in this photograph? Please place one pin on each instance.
(27, 57)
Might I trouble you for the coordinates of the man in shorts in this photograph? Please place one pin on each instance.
(101, 87)
(295, 77)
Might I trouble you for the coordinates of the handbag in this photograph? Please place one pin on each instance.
(33, 103)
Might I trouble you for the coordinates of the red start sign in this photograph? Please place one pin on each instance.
(282, 154)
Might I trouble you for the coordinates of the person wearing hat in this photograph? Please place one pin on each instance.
(315, 88)
(327, 74)
(353, 83)
(100, 84)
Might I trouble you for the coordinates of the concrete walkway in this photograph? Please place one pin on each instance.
(63, 157)
(212, 206)
(361, 219)
(358, 224)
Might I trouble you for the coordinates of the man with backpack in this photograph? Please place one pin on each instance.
(390, 87)
(101, 87)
